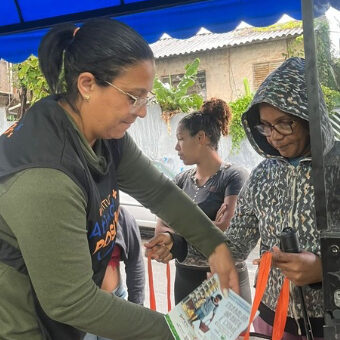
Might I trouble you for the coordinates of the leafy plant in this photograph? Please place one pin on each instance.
(175, 99)
(332, 98)
(238, 107)
(328, 66)
(277, 27)
(30, 82)
(324, 55)
(295, 48)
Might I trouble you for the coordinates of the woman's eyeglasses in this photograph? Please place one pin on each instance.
(136, 102)
(283, 128)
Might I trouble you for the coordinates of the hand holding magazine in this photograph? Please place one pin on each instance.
(205, 314)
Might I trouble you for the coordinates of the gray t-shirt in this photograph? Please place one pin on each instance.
(227, 181)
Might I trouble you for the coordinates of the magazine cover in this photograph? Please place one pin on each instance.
(205, 314)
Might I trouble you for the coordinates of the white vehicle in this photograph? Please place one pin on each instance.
(144, 217)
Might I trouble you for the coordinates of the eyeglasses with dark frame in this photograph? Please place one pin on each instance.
(137, 102)
(283, 128)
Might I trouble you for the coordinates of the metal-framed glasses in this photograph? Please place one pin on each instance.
(283, 128)
(135, 101)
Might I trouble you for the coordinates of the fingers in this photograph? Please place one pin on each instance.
(285, 260)
(162, 252)
(280, 258)
(301, 268)
(221, 212)
(163, 238)
(159, 253)
(158, 248)
(256, 262)
(221, 262)
(167, 258)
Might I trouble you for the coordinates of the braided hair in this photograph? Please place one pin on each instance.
(213, 118)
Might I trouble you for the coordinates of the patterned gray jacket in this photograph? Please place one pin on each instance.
(277, 193)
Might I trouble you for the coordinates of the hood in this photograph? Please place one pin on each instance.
(285, 89)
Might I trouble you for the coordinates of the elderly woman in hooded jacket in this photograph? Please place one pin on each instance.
(280, 194)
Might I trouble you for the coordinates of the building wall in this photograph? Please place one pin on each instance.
(226, 68)
(5, 77)
(243, 58)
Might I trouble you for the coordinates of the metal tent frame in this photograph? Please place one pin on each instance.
(139, 14)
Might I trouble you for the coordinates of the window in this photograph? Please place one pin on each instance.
(261, 71)
(199, 87)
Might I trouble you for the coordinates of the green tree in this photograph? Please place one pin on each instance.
(336, 68)
(328, 67)
(238, 107)
(324, 54)
(30, 83)
(332, 98)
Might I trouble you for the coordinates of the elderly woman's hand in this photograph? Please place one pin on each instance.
(222, 263)
(158, 248)
(301, 268)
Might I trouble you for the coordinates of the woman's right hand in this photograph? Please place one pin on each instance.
(222, 263)
(158, 248)
(221, 212)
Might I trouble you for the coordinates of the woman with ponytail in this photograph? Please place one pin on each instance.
(212, 184)
(61, 168)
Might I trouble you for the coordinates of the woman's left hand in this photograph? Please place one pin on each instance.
(222, 263)
(158, 248)
(301, 268)
(221, 212)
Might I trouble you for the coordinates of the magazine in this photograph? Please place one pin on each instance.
(206, 314)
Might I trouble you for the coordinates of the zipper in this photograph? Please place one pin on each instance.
(293, 174)
(293, 200)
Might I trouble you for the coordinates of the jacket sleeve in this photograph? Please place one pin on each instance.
(52, 237)
(243, 231)
(179, 248)
(140, 179)
(128, 238)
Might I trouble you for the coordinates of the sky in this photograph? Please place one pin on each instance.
(333, 17)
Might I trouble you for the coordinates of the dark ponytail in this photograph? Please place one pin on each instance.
(103, 47)
(213, 118)
(51, 52)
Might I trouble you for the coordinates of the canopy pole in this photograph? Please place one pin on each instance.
(329, 229)
(316, 141)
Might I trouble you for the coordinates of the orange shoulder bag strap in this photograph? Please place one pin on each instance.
(151, 286)
(282, 305)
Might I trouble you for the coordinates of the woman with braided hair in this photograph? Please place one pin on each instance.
(212, 184)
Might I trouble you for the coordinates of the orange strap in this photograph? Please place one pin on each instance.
(262, 278)
(281, 311)
(151, 287)
(282, 305)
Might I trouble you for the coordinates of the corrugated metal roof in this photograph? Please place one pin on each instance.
(335, 120)
(205, 40)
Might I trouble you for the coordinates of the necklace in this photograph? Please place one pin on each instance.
(198, 188)
(208, 181)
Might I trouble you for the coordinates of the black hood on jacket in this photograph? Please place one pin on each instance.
(285, 89)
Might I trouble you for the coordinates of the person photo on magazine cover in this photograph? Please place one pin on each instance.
(208, 308)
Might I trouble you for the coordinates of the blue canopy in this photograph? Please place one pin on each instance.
(24, 22)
